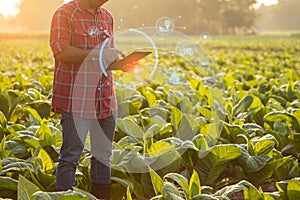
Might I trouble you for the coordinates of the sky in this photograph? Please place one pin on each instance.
(10, 8)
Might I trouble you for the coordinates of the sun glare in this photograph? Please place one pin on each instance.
(265, 2)
(9, 8)
(269, 2)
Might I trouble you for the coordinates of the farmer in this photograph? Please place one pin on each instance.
(81, 93)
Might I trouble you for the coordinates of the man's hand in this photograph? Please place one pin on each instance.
(111, 55)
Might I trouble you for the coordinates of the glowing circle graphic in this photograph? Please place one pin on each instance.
(170, 103)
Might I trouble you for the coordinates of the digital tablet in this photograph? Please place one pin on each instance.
(130, 58)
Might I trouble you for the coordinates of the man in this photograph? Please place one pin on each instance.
(81, 93)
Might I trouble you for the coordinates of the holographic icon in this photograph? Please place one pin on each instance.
(186, 48)
(165, 29)
(205, 36)
(174, 78)
(165, 25)
(186, 51)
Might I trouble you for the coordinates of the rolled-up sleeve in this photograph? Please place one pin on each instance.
(60, 32)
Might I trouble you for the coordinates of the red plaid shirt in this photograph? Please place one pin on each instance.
(80, 88)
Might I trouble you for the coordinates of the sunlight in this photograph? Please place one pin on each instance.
(265, 2)
(9, 8)
(269, 2)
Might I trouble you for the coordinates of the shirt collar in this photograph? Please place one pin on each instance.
(81, 7)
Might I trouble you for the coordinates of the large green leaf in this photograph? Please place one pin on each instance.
(186, 106)
(128, 194)
(47, 162)
(47, 180)
(176, 116)
(167, 162)
(45, 134)
(264, 145)
(157, 182)
(129, 127)
(3, 153)
(194, 185)
(127, 108)
(266, 172)
(252, 163)
(211, 165)
(17, 148)
(64, 195)
(151, 98)
(158, 111)
(296, 114)
(187, 128)
(205, 111)
(87, 194)
(117, 191)
(159, 148)
(293, 189)
(26, 189)
(250, 192)
(15, 167)
(124, 182)
(233, 131)
(200, 142)
(8, 183)
(43, 107)
(4, 105)
(288, 170)
(246, 103)
(33, 115)
(280, 116)
(212, 132)
(180, 180)
(152, 131)
(30, 140)
(174, 98)
(3, 120)
(170, 192)
(251, 127)
(32, 176)
(138, 163)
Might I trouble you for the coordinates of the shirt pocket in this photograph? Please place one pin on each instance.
(80, 39)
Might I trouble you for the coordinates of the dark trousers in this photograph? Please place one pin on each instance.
(75, 131)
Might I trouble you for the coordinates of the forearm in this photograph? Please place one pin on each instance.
(75, 55)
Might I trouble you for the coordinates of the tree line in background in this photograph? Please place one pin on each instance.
(283, 16)
(214, 16)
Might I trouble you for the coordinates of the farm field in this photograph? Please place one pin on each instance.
(231, 134)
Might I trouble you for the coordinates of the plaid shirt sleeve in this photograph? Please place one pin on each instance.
(60, 34)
